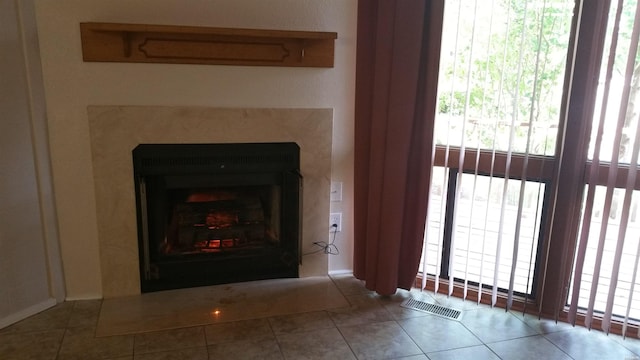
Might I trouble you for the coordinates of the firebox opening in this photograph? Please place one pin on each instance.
(236, 220)
(217, 213)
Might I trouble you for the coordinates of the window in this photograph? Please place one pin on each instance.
(538, 124)
(477, 232)
(604, 279)
(499, 104)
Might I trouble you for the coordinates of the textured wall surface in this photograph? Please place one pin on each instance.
(71, 86)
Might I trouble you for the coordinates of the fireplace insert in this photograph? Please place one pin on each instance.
(217, 213)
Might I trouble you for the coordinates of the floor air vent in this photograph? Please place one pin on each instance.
(432, 309)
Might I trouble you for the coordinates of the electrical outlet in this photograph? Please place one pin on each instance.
(335, 218)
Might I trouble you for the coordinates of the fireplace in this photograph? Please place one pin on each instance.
(116, 130)
(217, 213)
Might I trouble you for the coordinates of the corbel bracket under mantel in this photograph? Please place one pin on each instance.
(139, 43)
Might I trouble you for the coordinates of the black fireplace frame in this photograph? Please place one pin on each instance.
(158, 167)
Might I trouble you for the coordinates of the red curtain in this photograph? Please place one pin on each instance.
(396, 83)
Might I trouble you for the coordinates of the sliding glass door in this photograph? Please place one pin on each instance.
(499, 105)
(605, 285)
(535, 191)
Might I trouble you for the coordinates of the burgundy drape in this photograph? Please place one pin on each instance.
(396, 80)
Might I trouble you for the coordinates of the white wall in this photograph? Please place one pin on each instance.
(71, 85)
(30, 272)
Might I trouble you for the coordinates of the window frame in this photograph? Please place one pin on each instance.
(449, 213)
(572, 164)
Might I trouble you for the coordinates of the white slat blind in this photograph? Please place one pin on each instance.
(600, 284)
(499, 97)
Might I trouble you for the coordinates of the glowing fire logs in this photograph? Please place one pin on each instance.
(213, 226)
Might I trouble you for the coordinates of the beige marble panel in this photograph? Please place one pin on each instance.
(116, 130)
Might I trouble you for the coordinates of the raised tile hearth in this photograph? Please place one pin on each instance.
(217, 304)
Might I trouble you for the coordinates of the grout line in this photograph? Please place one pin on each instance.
(275, 336)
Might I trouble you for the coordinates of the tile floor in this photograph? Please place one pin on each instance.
(370, 327)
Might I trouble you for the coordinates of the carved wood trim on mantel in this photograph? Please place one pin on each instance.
(139, 43)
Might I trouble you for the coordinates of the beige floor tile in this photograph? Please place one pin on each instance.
(85, 313)
(368, 299)
(301, 322)
(491, 325)
(630, 342)
(415, 357)
(199, 353)
(317, 344)
(81, 343)
(531, 347)
(349, 285)
(169, 340)
(386, 340)
(239, 330)
(480, 352)
(582, 344)
(433, 333)
(360, 314)
(542, 326)
(30, 345)
(264, 349)
(56, 317)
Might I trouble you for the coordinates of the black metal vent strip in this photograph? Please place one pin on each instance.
(216, 159)
(432, 308)
(165, 159)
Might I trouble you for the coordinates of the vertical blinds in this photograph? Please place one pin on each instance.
(604, 281)
(499, 104)
(500, 88)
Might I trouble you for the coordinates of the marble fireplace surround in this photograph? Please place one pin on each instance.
(116, 130)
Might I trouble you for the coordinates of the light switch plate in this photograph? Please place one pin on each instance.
(336, 191)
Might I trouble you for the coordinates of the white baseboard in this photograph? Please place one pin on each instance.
(25, 313)
(340, 272)
(81, 298)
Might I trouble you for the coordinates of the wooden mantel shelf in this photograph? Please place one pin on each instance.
(110, 42)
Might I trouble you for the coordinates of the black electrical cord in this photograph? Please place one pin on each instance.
(327, 248)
